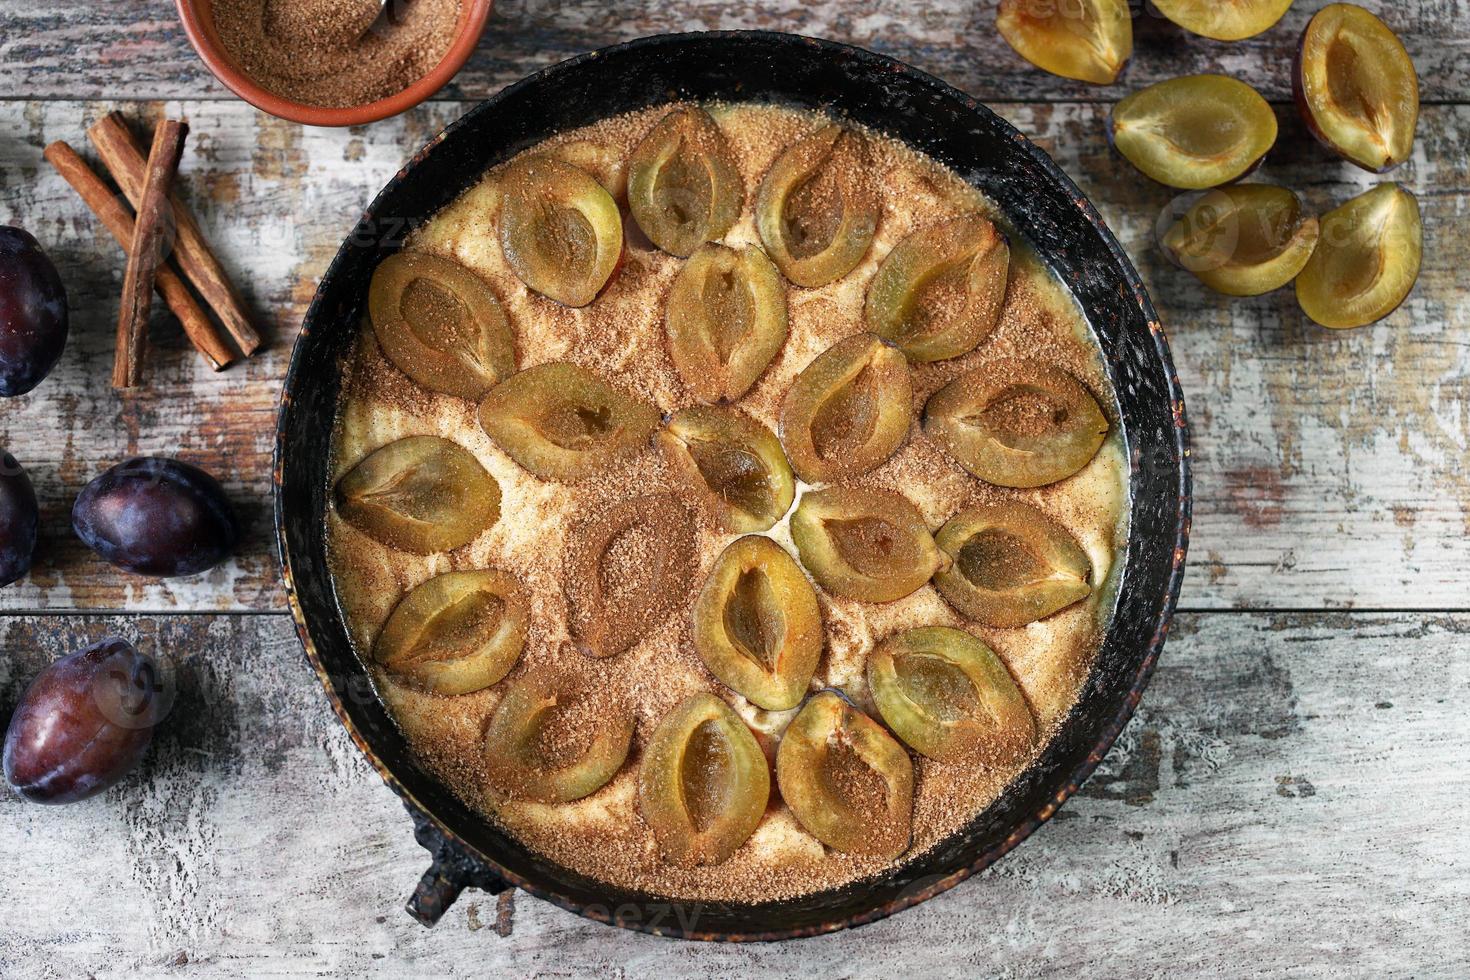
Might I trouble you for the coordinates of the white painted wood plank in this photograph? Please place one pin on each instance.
(1289, 799)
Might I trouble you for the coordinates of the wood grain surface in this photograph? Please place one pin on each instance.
(1288, 800)
(87, 49)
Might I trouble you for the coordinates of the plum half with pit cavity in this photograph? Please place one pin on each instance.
(1244, 239)
(441, 324)
(726, 320)
(871, 545)
(1194, 132)
(1011, 565)
(552, 740)
(1356, 87)
(625, 569)
(704, 782)
(1224, 20)
(757, 625)
(1017, 423)
(563, 422)
(847, 782)
(939, 293)
(457, 633)
(684, 187)
(848, 410)
(560, 230)
(1367, 259)
(421, 494)
(817, 208)
(734, 463)
(1089, 40)
(948, 696)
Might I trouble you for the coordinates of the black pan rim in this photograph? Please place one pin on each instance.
(1160, 618)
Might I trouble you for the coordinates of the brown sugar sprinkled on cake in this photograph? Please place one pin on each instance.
(568, 730)
(626, 569)
(855, 782)
(621, 336)
(1021, 416)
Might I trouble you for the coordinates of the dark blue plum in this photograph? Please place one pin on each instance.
(19, 519)
(33, 320)
(84, 723)
(156, 516)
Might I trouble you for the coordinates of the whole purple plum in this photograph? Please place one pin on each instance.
(84, 723)
(19, 519)
(33, 318)
(156, 516)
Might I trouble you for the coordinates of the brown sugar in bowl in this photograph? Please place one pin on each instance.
(198, 20)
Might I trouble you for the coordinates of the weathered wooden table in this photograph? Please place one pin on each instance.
(1290, 797)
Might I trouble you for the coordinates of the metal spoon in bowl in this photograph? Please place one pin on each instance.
(390, 14)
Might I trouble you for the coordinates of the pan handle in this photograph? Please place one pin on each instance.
(451, 872)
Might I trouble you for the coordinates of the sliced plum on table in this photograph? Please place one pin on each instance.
(1224, 20)
(1356, 87)
(1243, 240)
(1195, 132)
(1089, 40)
(1367, 259)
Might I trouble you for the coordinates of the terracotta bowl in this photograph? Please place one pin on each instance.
(198, 18)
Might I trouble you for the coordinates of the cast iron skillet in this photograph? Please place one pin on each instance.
(1045, 206)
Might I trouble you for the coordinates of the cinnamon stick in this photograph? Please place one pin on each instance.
(116, 218)
(146, 252)
(123, 155)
